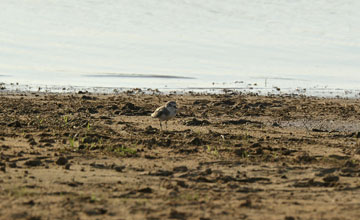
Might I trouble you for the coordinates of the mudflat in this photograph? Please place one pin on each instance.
(227, 156)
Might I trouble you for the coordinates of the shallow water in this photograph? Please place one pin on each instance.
(181, 44)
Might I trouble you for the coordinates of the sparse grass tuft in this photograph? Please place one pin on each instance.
(20, 191)
(74, 145)
(66, 119)
(212, 150)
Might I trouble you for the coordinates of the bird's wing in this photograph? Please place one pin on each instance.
(159, 112)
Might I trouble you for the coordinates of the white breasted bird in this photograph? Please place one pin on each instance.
(165, 112)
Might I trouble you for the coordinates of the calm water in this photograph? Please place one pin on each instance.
(176, 44)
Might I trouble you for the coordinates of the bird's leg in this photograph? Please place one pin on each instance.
(166, 124)
(160, 126)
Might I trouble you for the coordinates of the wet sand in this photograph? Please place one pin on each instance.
(231, 156)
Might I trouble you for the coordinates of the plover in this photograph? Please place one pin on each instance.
(165, 112)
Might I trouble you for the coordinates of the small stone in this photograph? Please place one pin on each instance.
(177, 215)
(62, 161)
(182, 184)
(12, 165)
(357, 134)
(196, 141)
(67, 166)
(119, 168)
(146, 190)
(331, 179)
(15, 124)
(180, 169)
(33, 163)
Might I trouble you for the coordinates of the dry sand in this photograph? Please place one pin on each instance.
(84, 156)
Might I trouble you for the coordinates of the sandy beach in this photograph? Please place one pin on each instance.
(224, 156)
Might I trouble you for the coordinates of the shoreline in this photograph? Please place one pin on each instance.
(9, 88)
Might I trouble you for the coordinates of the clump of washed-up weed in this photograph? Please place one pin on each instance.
(38, 121)
(66, 119)
(212, 150)
(20, 191)
(190, 197)
(242, 152)
(122, 151)
(77, 143)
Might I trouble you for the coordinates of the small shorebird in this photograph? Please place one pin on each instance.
(165, 112)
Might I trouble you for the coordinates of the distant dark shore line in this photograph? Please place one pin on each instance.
(13, 88)
(134, 75)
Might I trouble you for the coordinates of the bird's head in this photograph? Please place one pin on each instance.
(171, 104)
